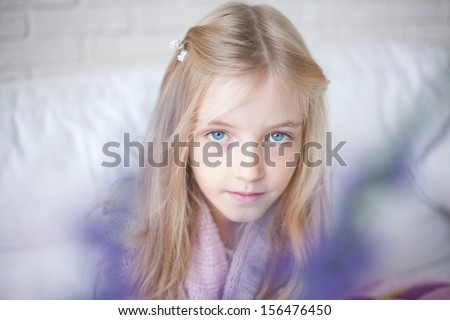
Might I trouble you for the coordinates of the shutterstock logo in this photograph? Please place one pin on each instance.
(214, 154)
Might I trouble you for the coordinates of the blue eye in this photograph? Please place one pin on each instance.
(216, 135)
(278, 137)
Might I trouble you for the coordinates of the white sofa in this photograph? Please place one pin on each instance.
(381, 97)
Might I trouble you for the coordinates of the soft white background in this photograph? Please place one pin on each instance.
(39, 36)
(78, 73)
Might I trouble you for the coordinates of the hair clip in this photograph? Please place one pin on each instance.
(176, 44)
(182, 55)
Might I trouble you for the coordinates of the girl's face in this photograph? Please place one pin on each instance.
(243, 159)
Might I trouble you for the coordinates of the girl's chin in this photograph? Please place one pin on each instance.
(246, 216)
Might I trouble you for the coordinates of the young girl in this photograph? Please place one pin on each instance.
(234, 210)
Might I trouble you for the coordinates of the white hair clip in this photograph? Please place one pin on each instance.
(182, 55)
(175, 44)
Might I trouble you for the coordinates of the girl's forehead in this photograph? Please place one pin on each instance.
(228, 96)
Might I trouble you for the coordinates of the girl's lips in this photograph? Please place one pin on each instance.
(245, 197)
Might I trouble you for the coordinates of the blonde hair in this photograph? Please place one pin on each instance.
(235, 40)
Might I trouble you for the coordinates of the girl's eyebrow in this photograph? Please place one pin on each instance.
(290, 124)
(219, 123)
(285, 124)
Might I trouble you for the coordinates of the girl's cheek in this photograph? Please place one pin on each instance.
(284, 154)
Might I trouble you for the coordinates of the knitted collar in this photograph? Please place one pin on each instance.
(211, 276)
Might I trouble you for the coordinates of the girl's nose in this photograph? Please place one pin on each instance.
(249, 164)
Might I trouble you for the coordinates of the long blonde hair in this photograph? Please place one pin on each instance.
(235, 40)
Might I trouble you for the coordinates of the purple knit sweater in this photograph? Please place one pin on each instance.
(212, 276)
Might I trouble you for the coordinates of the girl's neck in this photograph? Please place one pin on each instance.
(228, 230)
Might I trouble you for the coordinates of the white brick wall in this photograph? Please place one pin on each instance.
(12, 25)
(39, 36)
(19, 53)
(81, 23)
